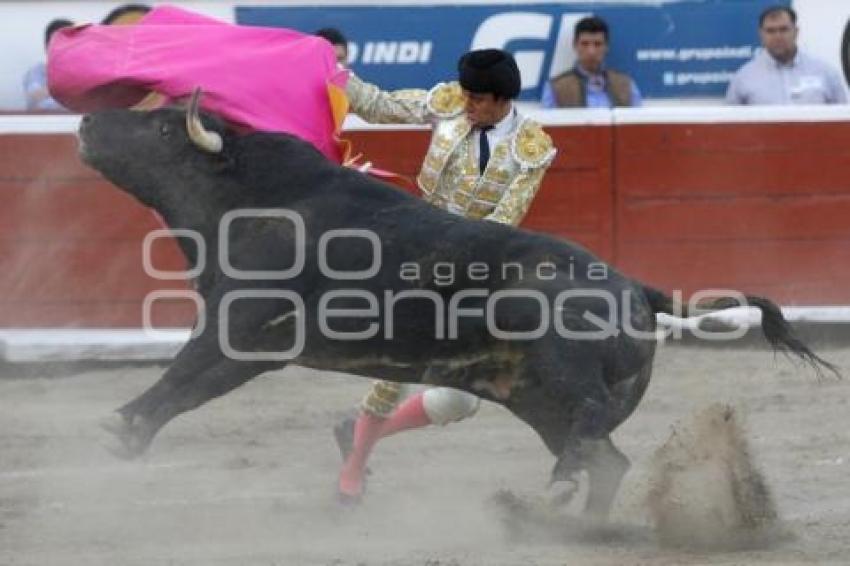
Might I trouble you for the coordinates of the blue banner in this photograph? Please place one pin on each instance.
(680, 49)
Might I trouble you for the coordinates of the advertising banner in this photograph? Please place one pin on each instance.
(673, 50)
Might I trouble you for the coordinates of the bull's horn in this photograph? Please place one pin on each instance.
(208, 141)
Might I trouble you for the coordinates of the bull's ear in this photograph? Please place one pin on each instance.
(223, 162)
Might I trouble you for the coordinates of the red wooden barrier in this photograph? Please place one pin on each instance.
(71, 243)
(576, 198)
(761, 207)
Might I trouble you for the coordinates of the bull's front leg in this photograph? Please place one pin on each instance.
(136, 428)
(200, 371)
(131, 425)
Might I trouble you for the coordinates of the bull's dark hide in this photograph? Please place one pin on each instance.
(572, 391)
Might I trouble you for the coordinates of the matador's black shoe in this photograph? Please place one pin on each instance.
(344, 436)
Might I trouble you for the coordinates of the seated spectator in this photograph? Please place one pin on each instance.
(340, 44)
(126, 14)
(590, 83)
(35, 79)
(781, 73)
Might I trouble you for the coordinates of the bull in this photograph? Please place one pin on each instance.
(333, 270)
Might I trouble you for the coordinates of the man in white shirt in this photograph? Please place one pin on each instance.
(782, 74)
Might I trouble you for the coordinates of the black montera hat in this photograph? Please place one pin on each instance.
(489, 71)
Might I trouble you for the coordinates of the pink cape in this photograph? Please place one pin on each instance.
(259, 79)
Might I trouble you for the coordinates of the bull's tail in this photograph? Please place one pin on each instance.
(776, 329)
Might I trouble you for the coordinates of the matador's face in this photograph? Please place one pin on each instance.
(485, 109)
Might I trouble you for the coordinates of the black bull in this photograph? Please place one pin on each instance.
(572, 378)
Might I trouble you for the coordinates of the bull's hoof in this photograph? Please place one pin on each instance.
(566, 469)
(126, 437)
(565, 496)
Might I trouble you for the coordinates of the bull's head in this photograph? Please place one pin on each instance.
(158, 156)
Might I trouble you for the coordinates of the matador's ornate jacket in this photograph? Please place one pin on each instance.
(450, 177)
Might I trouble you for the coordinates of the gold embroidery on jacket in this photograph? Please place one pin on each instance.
(450, 178)
(446, 100)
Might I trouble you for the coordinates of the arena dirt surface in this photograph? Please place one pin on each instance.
(248, 479)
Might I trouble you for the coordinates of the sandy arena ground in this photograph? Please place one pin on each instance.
(248, 479)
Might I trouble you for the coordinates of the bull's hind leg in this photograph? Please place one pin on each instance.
(578, 434)
(588, 447)
(606, 466)
(565, 397)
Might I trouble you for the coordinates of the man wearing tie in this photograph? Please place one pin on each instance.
(485, 161)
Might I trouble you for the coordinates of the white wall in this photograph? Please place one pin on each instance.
(822, 24)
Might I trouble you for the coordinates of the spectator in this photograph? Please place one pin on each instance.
(35, 79)
(590, 83)
(340, 44)
(781, 73)
(126, 14)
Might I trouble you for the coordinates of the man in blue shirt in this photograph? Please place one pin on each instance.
(590, 84)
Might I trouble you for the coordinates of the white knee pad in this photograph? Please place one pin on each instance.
(445, 405)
